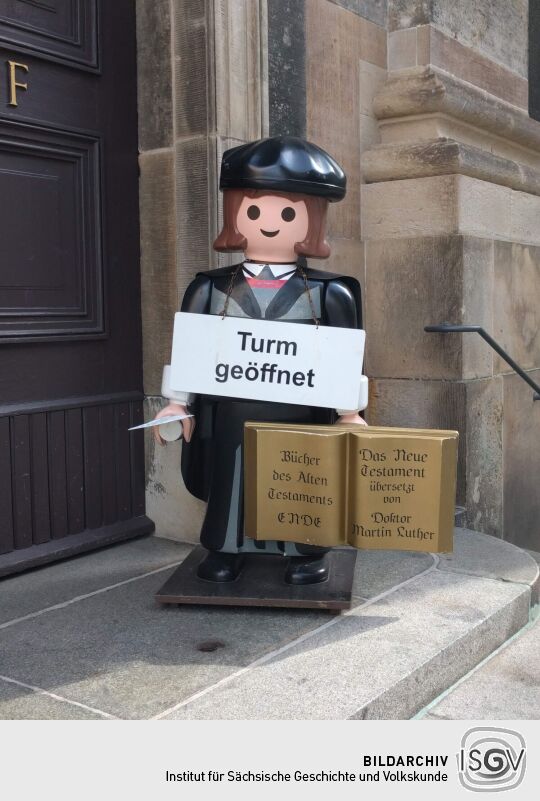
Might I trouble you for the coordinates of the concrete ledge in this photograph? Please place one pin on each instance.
(443, 156)
(475, 554)
(427, 44)
(390, 656)
(423, 90)
(505, 687)
(107, 650)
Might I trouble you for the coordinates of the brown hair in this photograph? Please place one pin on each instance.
(314, 245)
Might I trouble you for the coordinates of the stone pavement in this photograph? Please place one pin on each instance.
(505, 687)
(85, 639)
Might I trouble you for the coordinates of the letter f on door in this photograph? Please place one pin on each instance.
(13, 83)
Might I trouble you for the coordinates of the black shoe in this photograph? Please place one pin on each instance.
(306, 569)
(220, 567)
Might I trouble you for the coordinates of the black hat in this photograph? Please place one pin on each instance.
(283, 164)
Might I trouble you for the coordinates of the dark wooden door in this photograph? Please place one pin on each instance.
(71, 477)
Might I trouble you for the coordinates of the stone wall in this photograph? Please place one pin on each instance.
(450, 210)
(494, 28)
(202, 88)
(425, 105)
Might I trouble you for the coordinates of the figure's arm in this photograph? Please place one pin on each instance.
(344, 310)
(197, 296)
(197, 301)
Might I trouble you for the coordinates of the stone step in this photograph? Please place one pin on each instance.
(504, 687)
(419, 624)
(393, 653)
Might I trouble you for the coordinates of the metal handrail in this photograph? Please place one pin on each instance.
(450, 328)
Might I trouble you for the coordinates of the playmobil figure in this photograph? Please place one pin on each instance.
(276, 195)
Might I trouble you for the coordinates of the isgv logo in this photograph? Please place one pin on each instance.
(491, 759)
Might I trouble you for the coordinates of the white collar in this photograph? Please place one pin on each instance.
(278, 270)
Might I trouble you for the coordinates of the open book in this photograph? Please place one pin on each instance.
(380, 488)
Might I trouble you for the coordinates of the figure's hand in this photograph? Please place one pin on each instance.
(345, 419)
(187, 425)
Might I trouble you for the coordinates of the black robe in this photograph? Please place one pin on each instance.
(208, 460)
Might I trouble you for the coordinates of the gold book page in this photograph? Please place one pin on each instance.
(300, 488)
(401, 492)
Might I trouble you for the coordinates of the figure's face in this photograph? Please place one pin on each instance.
(272, 225)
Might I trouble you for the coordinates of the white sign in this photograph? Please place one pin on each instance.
(240, 357)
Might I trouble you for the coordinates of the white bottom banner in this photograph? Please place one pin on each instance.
(267, 760)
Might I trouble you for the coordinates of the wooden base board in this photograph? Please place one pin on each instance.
(261, 583)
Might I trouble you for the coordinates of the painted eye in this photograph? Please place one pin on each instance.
(253, 212)
(288, 214)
